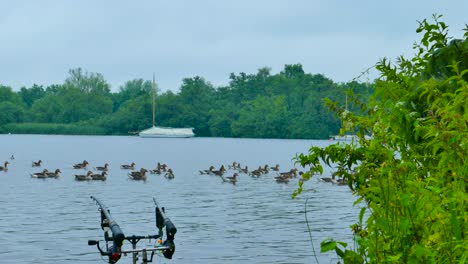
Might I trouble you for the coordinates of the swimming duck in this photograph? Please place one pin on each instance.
(36, 163)
(5, 166)
(12, 157)
(86, 177)
(54, 174)
(169, 174)
(81, 165)
(99, 176)
(128, 167)
(232, 179)
(40, 175)
(105, 168)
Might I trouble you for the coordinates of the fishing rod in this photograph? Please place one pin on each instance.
(113, 235)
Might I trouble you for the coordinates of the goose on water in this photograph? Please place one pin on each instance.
(99, 176)
(138, 175)
(81, 165)
(232, 179)
(128, 167)
(169, 174)
(54, 174)
(40, 175)
(86, 177)
(5, 166)
(105, 168)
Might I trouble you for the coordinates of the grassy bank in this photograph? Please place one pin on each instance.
(52, 129)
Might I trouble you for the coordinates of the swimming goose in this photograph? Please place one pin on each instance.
(233, 166)
(208, 171)
(282, 179)
(256, 172)
(128, 167)
(275, 168)
(164, 167)
(290, 174)
(105, 168)
(327, 179)
(86, 177)
(219, 172)
(54, 174)
(232, 179)
(81, 165)
(169, 174)
(5, 166)
(245, 170)
(341, 181)
(138, 175)
(40, 175)
(36, 163)
(99, 176)
(156, 171)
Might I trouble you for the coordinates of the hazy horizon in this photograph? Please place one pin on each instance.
(42, 41)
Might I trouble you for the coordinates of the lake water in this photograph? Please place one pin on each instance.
(255, 221)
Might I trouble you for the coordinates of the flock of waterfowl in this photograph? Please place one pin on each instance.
(281, 177)
(265, 170)
(97, 173)
(100, 173)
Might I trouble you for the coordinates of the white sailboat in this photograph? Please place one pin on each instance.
(164, 132)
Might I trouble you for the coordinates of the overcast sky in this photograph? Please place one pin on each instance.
(123, 40)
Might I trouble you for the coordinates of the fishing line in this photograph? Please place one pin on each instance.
(308, 228)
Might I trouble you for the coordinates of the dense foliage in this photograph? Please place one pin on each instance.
(411, 176)
(262, 105)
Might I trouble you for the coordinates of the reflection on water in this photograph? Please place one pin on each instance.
(255, 221)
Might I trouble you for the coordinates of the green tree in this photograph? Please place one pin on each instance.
(195, 99)
(263, 117)
(411, 175)
(85, 95)
(10, 113)
(89, 83)
(132, 89)
(47, 110)
(32, 94)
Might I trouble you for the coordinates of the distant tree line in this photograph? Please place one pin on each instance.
(262, 105)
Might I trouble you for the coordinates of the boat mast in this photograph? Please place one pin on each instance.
(153, 88)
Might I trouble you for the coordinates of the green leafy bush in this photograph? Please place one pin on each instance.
(411, 174)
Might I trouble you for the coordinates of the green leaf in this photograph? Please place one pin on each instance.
(327, 245)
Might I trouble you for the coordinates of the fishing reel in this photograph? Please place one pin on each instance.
(113, 235)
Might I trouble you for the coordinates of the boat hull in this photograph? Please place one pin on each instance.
(167, 132)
